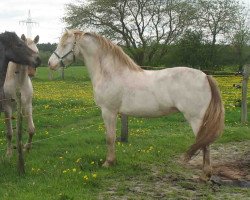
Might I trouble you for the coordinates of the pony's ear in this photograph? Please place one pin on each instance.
(23, 38)
(36, 39)
(66, 30)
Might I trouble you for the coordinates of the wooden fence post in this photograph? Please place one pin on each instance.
(20, 163)
(246, 72)
(63, 73)
(124, 129)
(50, 75)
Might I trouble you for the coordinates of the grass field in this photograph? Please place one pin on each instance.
(69, 148)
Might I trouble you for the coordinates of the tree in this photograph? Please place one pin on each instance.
(217, 18)
(139, 25)
(240, 40)
(191, 49)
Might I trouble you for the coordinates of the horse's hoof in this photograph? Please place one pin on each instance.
(208, 171)
(108, 163)
(204, 177)
(206, 174)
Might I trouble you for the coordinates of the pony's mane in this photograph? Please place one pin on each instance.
(117, 51)
(63, 38)
(107, 46)
(8, 37)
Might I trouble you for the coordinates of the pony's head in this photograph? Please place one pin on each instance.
(66, 50)
(15, 50)
(32, 45)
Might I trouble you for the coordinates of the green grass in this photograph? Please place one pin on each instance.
(69, 166)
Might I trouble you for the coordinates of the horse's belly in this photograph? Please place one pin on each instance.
(148, 112)
(145, 104)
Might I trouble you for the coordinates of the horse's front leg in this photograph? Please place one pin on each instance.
(31, 126)
(8, 122)
(110, 124)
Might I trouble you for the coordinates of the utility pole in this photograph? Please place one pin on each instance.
(29, 22)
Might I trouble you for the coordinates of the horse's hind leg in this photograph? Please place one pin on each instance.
(207, 169)
(31, 127)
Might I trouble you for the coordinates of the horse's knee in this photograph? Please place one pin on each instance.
(32, 130)
(110, 139)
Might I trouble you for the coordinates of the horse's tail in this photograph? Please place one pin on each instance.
(213, 121)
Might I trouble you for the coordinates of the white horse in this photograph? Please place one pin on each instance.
(121, 86)
(18, 76)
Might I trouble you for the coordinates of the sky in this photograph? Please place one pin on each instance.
(48, 14)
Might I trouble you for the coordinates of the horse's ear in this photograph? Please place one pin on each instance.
(36, 39)
(23, 37)
(67, 30)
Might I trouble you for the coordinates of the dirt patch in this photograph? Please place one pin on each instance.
(230, 162)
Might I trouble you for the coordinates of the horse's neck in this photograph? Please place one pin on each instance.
(94, 69)
(101, 67)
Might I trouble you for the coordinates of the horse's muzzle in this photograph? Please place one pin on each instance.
(36, 62)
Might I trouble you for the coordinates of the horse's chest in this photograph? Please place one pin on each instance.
(107, 95)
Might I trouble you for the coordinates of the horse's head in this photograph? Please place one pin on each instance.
(17, 51)
(66, 50)
(32, 45)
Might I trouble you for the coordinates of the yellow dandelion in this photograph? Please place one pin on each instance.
(85, 177)
(46, 106)
(94, 175)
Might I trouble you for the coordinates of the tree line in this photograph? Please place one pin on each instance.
(198, 33)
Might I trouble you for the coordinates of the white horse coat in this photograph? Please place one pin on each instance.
(121, 86)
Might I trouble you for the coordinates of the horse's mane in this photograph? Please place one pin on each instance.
(117, 51)
(7, 37)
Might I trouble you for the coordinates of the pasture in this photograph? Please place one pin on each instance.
(69, 148)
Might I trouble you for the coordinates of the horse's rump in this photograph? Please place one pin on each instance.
(213, 121)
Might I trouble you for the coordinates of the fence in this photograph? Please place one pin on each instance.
(246, 72)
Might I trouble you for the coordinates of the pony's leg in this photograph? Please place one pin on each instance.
(207, 169)
(31, 127)
(110, 124)
(195, 125)
(8, 122)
